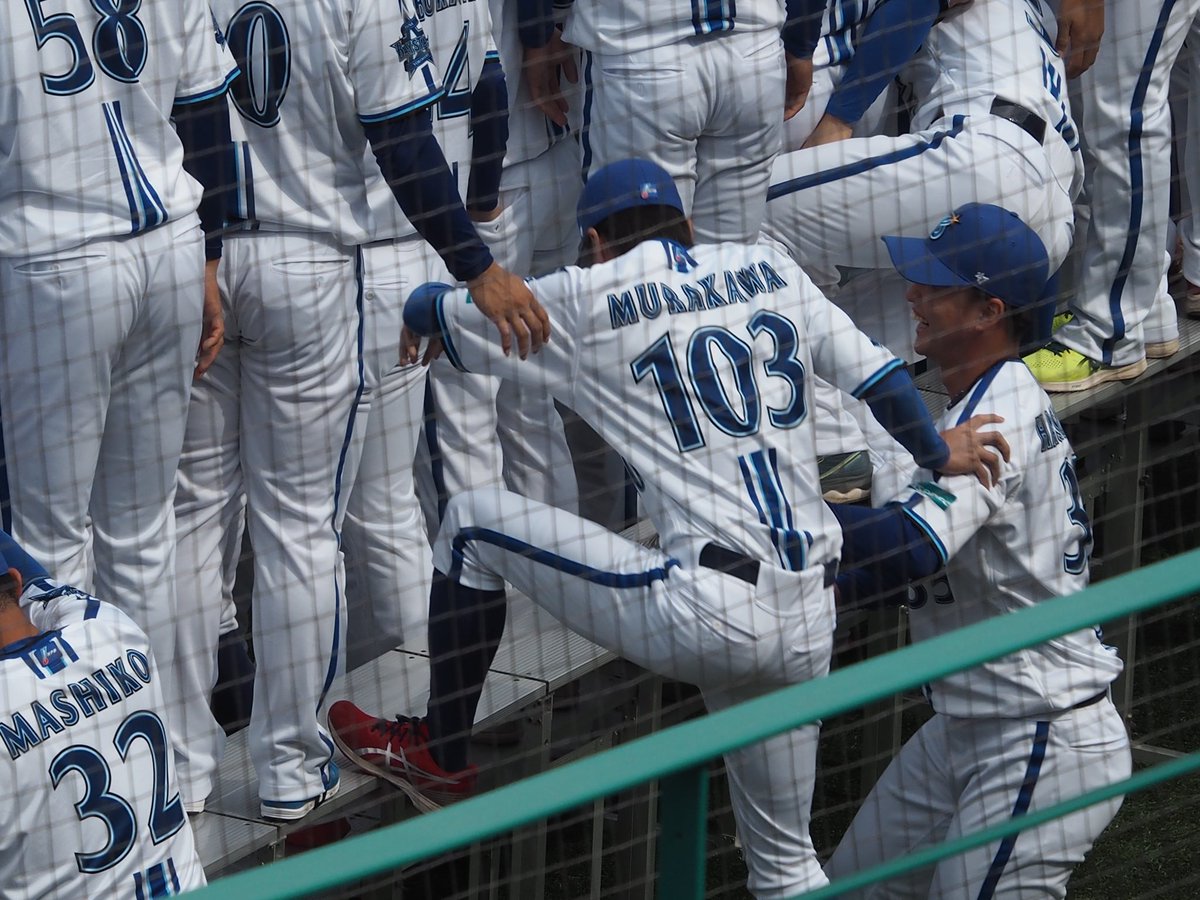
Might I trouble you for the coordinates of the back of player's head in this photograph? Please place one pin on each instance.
(988, 248)
(631, 201)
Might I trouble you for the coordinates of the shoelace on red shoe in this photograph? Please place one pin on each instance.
(400, 728)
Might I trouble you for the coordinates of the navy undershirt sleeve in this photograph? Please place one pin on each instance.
(888, 40)
(203, 129)
(802, 29)
(897, 405)
(883, 550)
(535, 22)
(415, 168)
(489, 125)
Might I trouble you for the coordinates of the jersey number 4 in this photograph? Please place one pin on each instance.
(166, 815)
(719, 369)
(119, 41)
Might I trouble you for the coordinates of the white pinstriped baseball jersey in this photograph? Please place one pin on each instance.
(107, 73)
(696, 364)
(460, 40)
(312, 74)
(91, 807)
(1025, 540)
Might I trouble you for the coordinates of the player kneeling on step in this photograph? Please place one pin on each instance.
(1033, 728)
(692, 362)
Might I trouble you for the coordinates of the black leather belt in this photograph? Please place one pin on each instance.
(1025, 119)
(741, 566)
(1091, 701)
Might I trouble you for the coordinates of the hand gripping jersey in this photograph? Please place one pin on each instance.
(312, 74)
(988, 49)
(1025, 540)
(460, 40)
(91, 807)
(626, 26)
(107, 74)
(696, 363)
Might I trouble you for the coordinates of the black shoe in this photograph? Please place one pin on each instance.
(233, 696)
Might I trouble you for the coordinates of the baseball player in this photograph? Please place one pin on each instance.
(116, 122)
(1123, 282)
(992, 122)
(692, 362)
(333, 91)
(695, 86)
(91, 806)
(1030, 729)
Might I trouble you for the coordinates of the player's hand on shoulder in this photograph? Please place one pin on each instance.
(974, 451)
(1080, 27)
(799, 83)
(829, 130)
(212, 335)
(545, 67)
(507, 301)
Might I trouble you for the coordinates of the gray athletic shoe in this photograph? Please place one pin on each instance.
(845, 477)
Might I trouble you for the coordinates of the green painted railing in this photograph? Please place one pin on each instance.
(680, 755)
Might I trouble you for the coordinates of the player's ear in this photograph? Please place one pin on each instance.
(991, 311)
(13, 582)
(595, 248)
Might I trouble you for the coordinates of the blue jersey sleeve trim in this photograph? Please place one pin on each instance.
(218, 91)
(447, 341)
(981, 387)
(405, 110)
(886, 370)
(929, 533)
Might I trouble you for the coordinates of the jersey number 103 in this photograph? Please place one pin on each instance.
(709, 387)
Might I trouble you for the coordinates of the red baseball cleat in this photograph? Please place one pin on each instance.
(397, 750)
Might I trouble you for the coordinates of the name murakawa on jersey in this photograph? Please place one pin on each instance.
(650, 298)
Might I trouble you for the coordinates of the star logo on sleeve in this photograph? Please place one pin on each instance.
(413, 46)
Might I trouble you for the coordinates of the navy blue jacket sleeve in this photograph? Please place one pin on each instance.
(489, 125)
(897, 405)
(803, 26)
(883, 551)
(888, 40)
(415, 168)
(203, 129)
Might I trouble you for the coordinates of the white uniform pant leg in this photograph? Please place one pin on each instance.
(958, 776)
(735, 150)
(1190, 161)
(706, 110)
(387, 550)
(1125, 107)
(209, 506)
(695, 625)
(295, 298)
(830, 205)
(1079, 751)
(770, 789)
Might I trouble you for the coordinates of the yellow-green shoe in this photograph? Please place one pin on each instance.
(1060, 369)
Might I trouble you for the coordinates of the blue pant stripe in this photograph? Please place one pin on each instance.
(331, 672)
(1136, 184)
(1024, 797)
(864, 165)
(588, 91)
(435, 451)
(554, 561)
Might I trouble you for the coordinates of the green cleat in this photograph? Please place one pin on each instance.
(1061, 369)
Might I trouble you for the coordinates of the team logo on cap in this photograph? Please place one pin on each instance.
(648, 191)
(413, 46)
(981, 277)
(941, 226)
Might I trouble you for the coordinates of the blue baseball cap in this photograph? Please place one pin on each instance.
(624, 185)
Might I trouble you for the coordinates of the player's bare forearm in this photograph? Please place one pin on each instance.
(828, 131)
(544, 69)
(799, 84)
(1080, 28)
(212, 336)
(507, 301)
(969, 453)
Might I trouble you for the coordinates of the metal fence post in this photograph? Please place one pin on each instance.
(683, 799)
